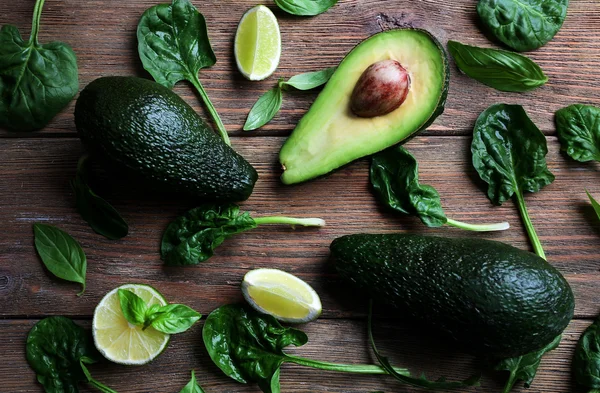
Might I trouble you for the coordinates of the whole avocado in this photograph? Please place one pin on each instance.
(145, 130)
(492, 298)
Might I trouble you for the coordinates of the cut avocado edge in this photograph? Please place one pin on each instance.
(330, 136)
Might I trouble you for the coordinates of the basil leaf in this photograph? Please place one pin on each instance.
(524, 368)
(502, 70)
(173, 45)
(99, 214)
(578, 128)
(264, 109)
(310, 80)
(192, 386)
(595, 204)
(36, 80)
(395, 180)
(61, 254)
(192, 238)
(523, 24)
(134, 308)
(173, 318)
(586, 360)
(305, 7)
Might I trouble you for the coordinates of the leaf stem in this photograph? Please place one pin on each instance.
(100, 386)
(510, 383)
(348, 368)
(306, 222)
(594, 391)
(501, 226)
(35, 25)
(211, 109)
(533, 237)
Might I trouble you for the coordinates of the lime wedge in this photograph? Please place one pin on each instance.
(118, 340)
(257, 43)
(282, 295)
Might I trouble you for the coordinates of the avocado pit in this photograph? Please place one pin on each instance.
(381, 89)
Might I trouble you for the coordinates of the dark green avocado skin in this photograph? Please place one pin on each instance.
(141, 128)
(492, 298)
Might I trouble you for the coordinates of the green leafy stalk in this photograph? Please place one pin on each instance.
(533, 237)
(500, 226)
(211, 109)
(98, 385)
(346, 368)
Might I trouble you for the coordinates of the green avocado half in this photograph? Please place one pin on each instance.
(330, 135)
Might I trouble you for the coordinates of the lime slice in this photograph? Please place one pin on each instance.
(118, 340)
(258, 43)
(282, 295)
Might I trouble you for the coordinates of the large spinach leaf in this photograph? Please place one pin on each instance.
(509, 153)
(500, 69)
(578, 128)
(36, 80)
(173, 44)
(586, 360)
(305, 7)
(61, 254)
(523, 24)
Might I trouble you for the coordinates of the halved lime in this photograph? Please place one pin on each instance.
(257, 43)
(118, 340)
(282, 295)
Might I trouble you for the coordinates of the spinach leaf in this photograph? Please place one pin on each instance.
(173, 45)
(524, 368)
(523, 24)
(61, 254)
(309, 80)
(395, 180)
(509, 153)
(192, 238)
(578, 128)
(192, 386)
(586, 360)
(595, 204)
(500, 69)
(36, 80)
(57, 349)
(134, 308)
(305, 7)
(99, 214)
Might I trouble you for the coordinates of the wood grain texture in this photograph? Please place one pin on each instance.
(102, 33)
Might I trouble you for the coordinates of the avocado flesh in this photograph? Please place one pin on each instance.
(493, 299)
(330, 135)
(144, 130)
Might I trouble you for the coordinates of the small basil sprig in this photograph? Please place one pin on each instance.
(248, 347)
(524, 368)
(169, 319)
(57, 350)
(173, 45)
(192, 238)
(395, 180)
(595, 204)
(578, 128)
(267, 106)
(36, 80)
(61, 254)
(509, 153)
(97, 212)
(305, 7)
(586, 359)
(192, 386)
(500, 69)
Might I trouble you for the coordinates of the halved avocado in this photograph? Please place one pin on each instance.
(330, 135)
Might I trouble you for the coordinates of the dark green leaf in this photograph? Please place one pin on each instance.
(509, 152)
(265, 109)
(524, 368)
(500, 69)
(192, 386)
(61, 254)
(578, 128)
(595, 204)
(523, 24)
(586, 360)
(192, 238)
(134, 308)
(174, 318)
(248, 346)
(395, 179)
(102, 217)
(36, 80)
(305, 7)
(310, 80)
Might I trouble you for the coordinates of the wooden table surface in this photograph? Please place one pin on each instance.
(35, 169)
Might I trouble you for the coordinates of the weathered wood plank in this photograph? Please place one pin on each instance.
(102, 32)
(337, 341)
(34, 176)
